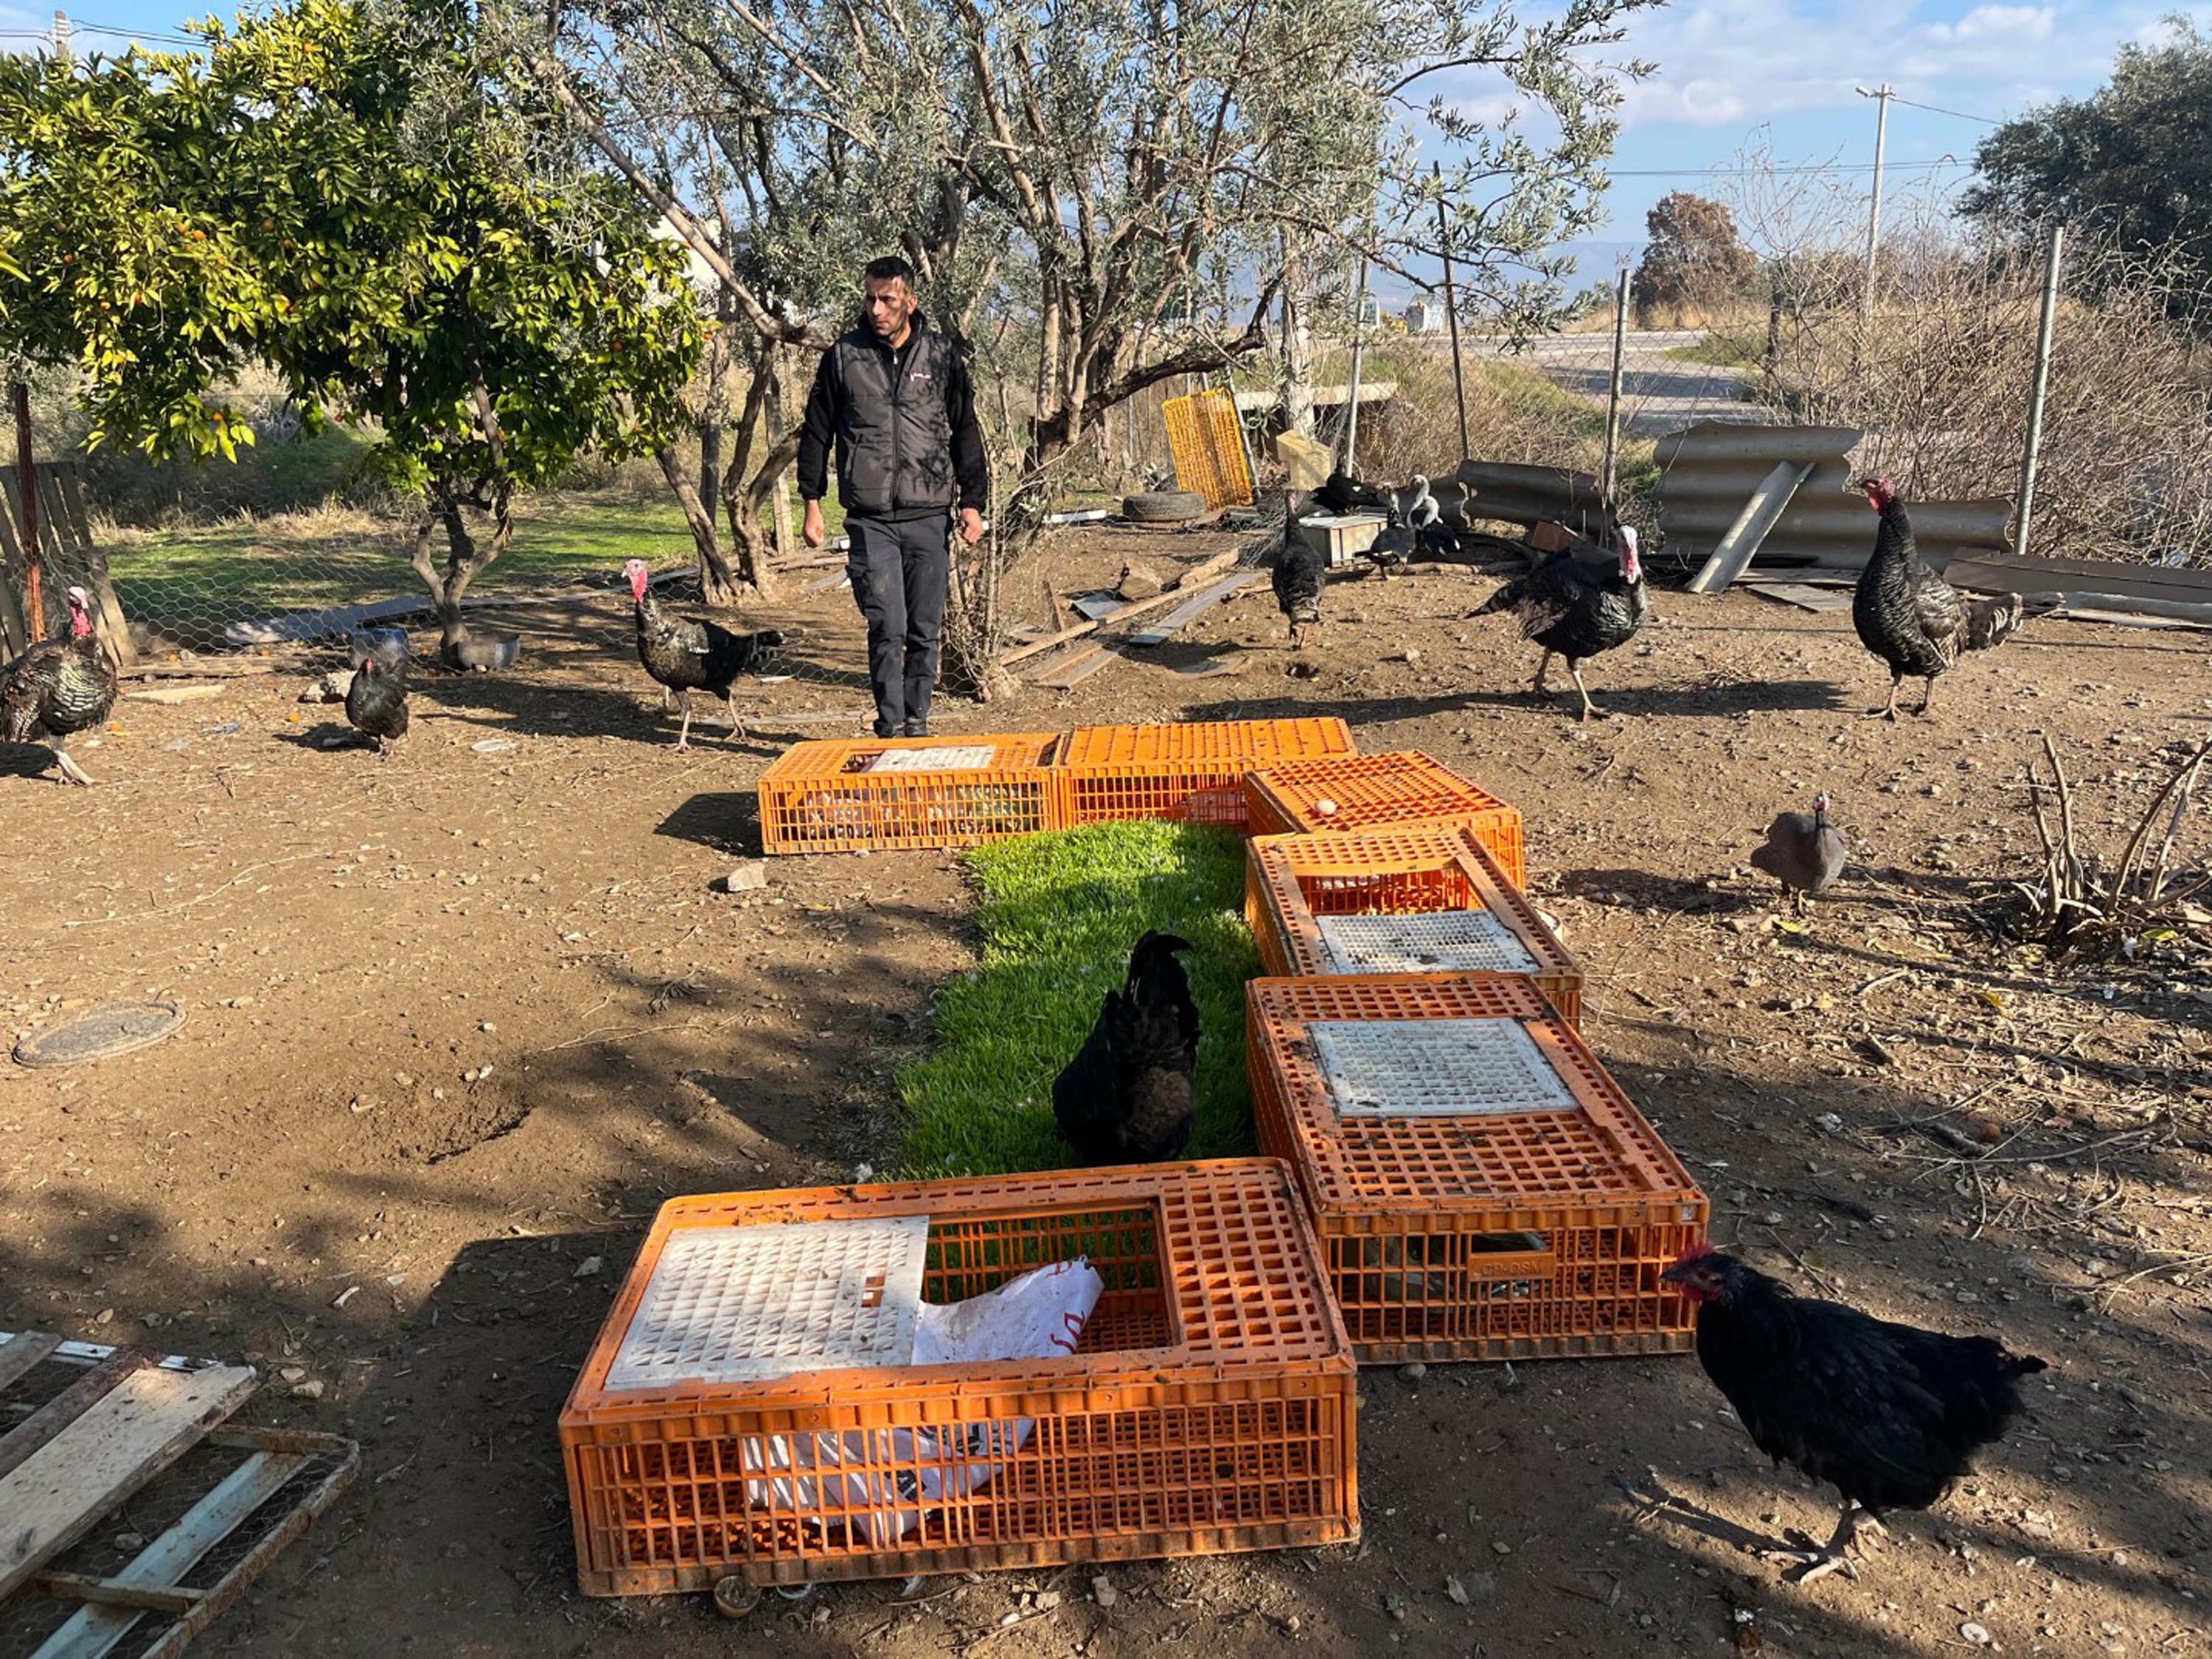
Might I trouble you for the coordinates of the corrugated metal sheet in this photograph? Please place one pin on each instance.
(1711, 468)
(1524, 495)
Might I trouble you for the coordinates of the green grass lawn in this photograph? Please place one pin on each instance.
(317, 561)
(1058, 915)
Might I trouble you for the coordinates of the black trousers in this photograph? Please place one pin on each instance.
(900, 569)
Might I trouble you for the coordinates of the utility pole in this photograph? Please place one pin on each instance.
(62, 36)
(1881, 95)
(1352, 391)
(1613, 394)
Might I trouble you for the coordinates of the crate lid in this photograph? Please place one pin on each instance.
(749, 1305)
(1435, 1068)
(1428, 942)
(964, 758)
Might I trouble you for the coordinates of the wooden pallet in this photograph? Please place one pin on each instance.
(127, 1417)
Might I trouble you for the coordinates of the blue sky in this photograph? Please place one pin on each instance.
(1732, 72)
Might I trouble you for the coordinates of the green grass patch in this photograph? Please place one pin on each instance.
(1717, 349)
(1058, 915)
(335, 556)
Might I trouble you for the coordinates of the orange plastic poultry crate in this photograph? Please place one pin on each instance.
(1401, 790)
(1193, 771)
(1208, 1406)
(892, 793)
(1420, 901)
(1483, 1189)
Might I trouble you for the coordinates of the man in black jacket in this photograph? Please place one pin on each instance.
(897, 399)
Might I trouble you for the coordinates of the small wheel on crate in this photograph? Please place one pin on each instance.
(1163, 507)
(736, 1596)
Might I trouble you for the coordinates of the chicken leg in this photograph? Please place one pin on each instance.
(1588, 708)
(1833, 1557)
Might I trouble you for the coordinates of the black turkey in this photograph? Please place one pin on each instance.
(59, 688)
(1576, 610)
(1910, 617)
(694, 656)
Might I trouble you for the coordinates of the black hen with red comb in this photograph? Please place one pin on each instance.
(1888, 1414)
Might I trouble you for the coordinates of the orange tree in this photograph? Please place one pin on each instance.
(348, 192)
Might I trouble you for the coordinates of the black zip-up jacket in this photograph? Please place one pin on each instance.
(902, 424)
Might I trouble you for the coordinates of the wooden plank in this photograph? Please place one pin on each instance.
(135, 1431)
(14, 640)
(1805, 598)
(18, 1354)
(26, 1437)
(113, 1593)
(1183, 615)
(1078, 668)
(92, 1631)
(1733, 553)
(1039, 647)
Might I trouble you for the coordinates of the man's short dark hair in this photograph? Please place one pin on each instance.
(890, 265)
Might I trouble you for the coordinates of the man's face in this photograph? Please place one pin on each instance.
(887, 303)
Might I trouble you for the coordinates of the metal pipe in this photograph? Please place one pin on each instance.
(1451, 309)
(2032, 451)
(1352, 391)
(26, 487)
(1612, 393)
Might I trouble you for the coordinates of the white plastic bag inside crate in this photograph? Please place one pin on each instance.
(893, 1474)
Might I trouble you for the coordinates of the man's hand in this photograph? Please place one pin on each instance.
(814, 531)
(971, 525)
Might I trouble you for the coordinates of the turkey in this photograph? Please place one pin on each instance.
(1126, 1097)
(1804, 852)
(1435, 538)
(1300, 570)
(1910, 617)
(694, 656)
(376, 701)
(1576, 611)
(1342, 492)
(59, 687)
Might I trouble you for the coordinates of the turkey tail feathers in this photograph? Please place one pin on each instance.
(1991, 623)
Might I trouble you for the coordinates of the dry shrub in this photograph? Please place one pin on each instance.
(1938, 377)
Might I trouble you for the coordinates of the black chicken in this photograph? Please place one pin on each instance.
(1342, 492)
(1126, 1096)
(59, 687)
(1394, 544)
(1576, 611)
(376, 701)
(1910, 617)
(694, 656)
(1887, 1413)
(1300, 572)
(1804, 852)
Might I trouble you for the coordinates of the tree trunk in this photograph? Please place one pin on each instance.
(1297, 339)
(718, 586)
(787, 542)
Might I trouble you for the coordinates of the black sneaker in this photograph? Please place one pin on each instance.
(917, 728)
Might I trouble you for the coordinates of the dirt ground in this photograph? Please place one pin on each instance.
(461, 1018)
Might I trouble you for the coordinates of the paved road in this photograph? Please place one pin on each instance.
(1659, 393)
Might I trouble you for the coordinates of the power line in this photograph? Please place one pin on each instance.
(1761, 172)
(1937, 109)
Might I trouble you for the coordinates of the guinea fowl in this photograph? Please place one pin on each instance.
(694, 656)
(1300, 571)
(1889, 1414)
(1576, 611)
(59, 687)
(1910, 617)
(1126, 1096)
(1804, 852)
(376, 701)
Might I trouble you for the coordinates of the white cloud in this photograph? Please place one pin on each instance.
(1729, 62)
